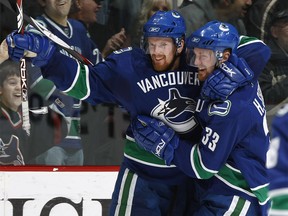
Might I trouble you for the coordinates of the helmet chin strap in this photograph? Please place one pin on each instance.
(178, 42)
(219, 57)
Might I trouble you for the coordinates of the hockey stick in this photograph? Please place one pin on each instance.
(47, 33)
(23, 74)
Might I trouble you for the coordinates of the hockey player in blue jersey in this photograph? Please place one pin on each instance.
(277, 163)
(158, 83)
(228, 162)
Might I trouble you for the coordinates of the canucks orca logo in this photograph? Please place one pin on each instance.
(10, 153)
(177, 112)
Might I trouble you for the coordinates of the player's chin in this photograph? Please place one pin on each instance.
(160, 67)
(202, 75)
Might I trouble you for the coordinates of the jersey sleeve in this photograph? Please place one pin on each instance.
(255, 52)
(207, 157)
(96, 84)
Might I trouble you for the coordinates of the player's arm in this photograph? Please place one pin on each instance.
(200, 160)
(47, 57)
(68, 74)
(255, 52)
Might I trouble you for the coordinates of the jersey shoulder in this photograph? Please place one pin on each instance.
(255, 52)
(129, 57)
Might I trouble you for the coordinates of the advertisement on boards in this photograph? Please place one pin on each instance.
(56, 193)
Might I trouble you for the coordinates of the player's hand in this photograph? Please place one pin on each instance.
(41, 45)
(231, 75)
(156, 137)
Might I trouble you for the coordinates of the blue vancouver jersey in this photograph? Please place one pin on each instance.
(277, 163)
(231, 154)
(76, 35)
(127, 78)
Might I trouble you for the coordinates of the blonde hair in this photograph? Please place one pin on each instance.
(149, 7)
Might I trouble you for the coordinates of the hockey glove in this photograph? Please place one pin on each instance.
(156, 137)
(14, 53)
(42, 46)
(231, 75)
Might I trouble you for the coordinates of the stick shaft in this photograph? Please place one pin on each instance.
(23, 74)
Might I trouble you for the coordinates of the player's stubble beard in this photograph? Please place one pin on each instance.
(166, 66)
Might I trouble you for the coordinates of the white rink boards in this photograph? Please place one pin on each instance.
(56, 193)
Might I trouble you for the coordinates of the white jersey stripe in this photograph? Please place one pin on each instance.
(232, 206)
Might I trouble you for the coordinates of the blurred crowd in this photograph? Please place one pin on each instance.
(115, 24)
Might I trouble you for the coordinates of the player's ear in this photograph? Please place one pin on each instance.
(226, 55)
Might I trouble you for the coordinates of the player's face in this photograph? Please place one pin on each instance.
(205, 61)
(163, 53)
(11, 92)
(56, 9)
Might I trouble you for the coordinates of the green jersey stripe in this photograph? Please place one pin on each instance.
(235, 179)
(127, 191)
(199, 169)
(81, 82)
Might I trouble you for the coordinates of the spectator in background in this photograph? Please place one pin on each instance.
(258, 19)
(149, 7)
(277, 163)
(124, 14)
(59, 130)
(198, 12)
(274, 79)
(13, 139)
(85, 11)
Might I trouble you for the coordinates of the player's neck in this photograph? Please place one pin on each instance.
(61, 20)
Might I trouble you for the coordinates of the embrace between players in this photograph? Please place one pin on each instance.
(195, 147)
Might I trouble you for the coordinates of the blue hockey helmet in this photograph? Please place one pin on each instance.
(165, 24)
(216, 36)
